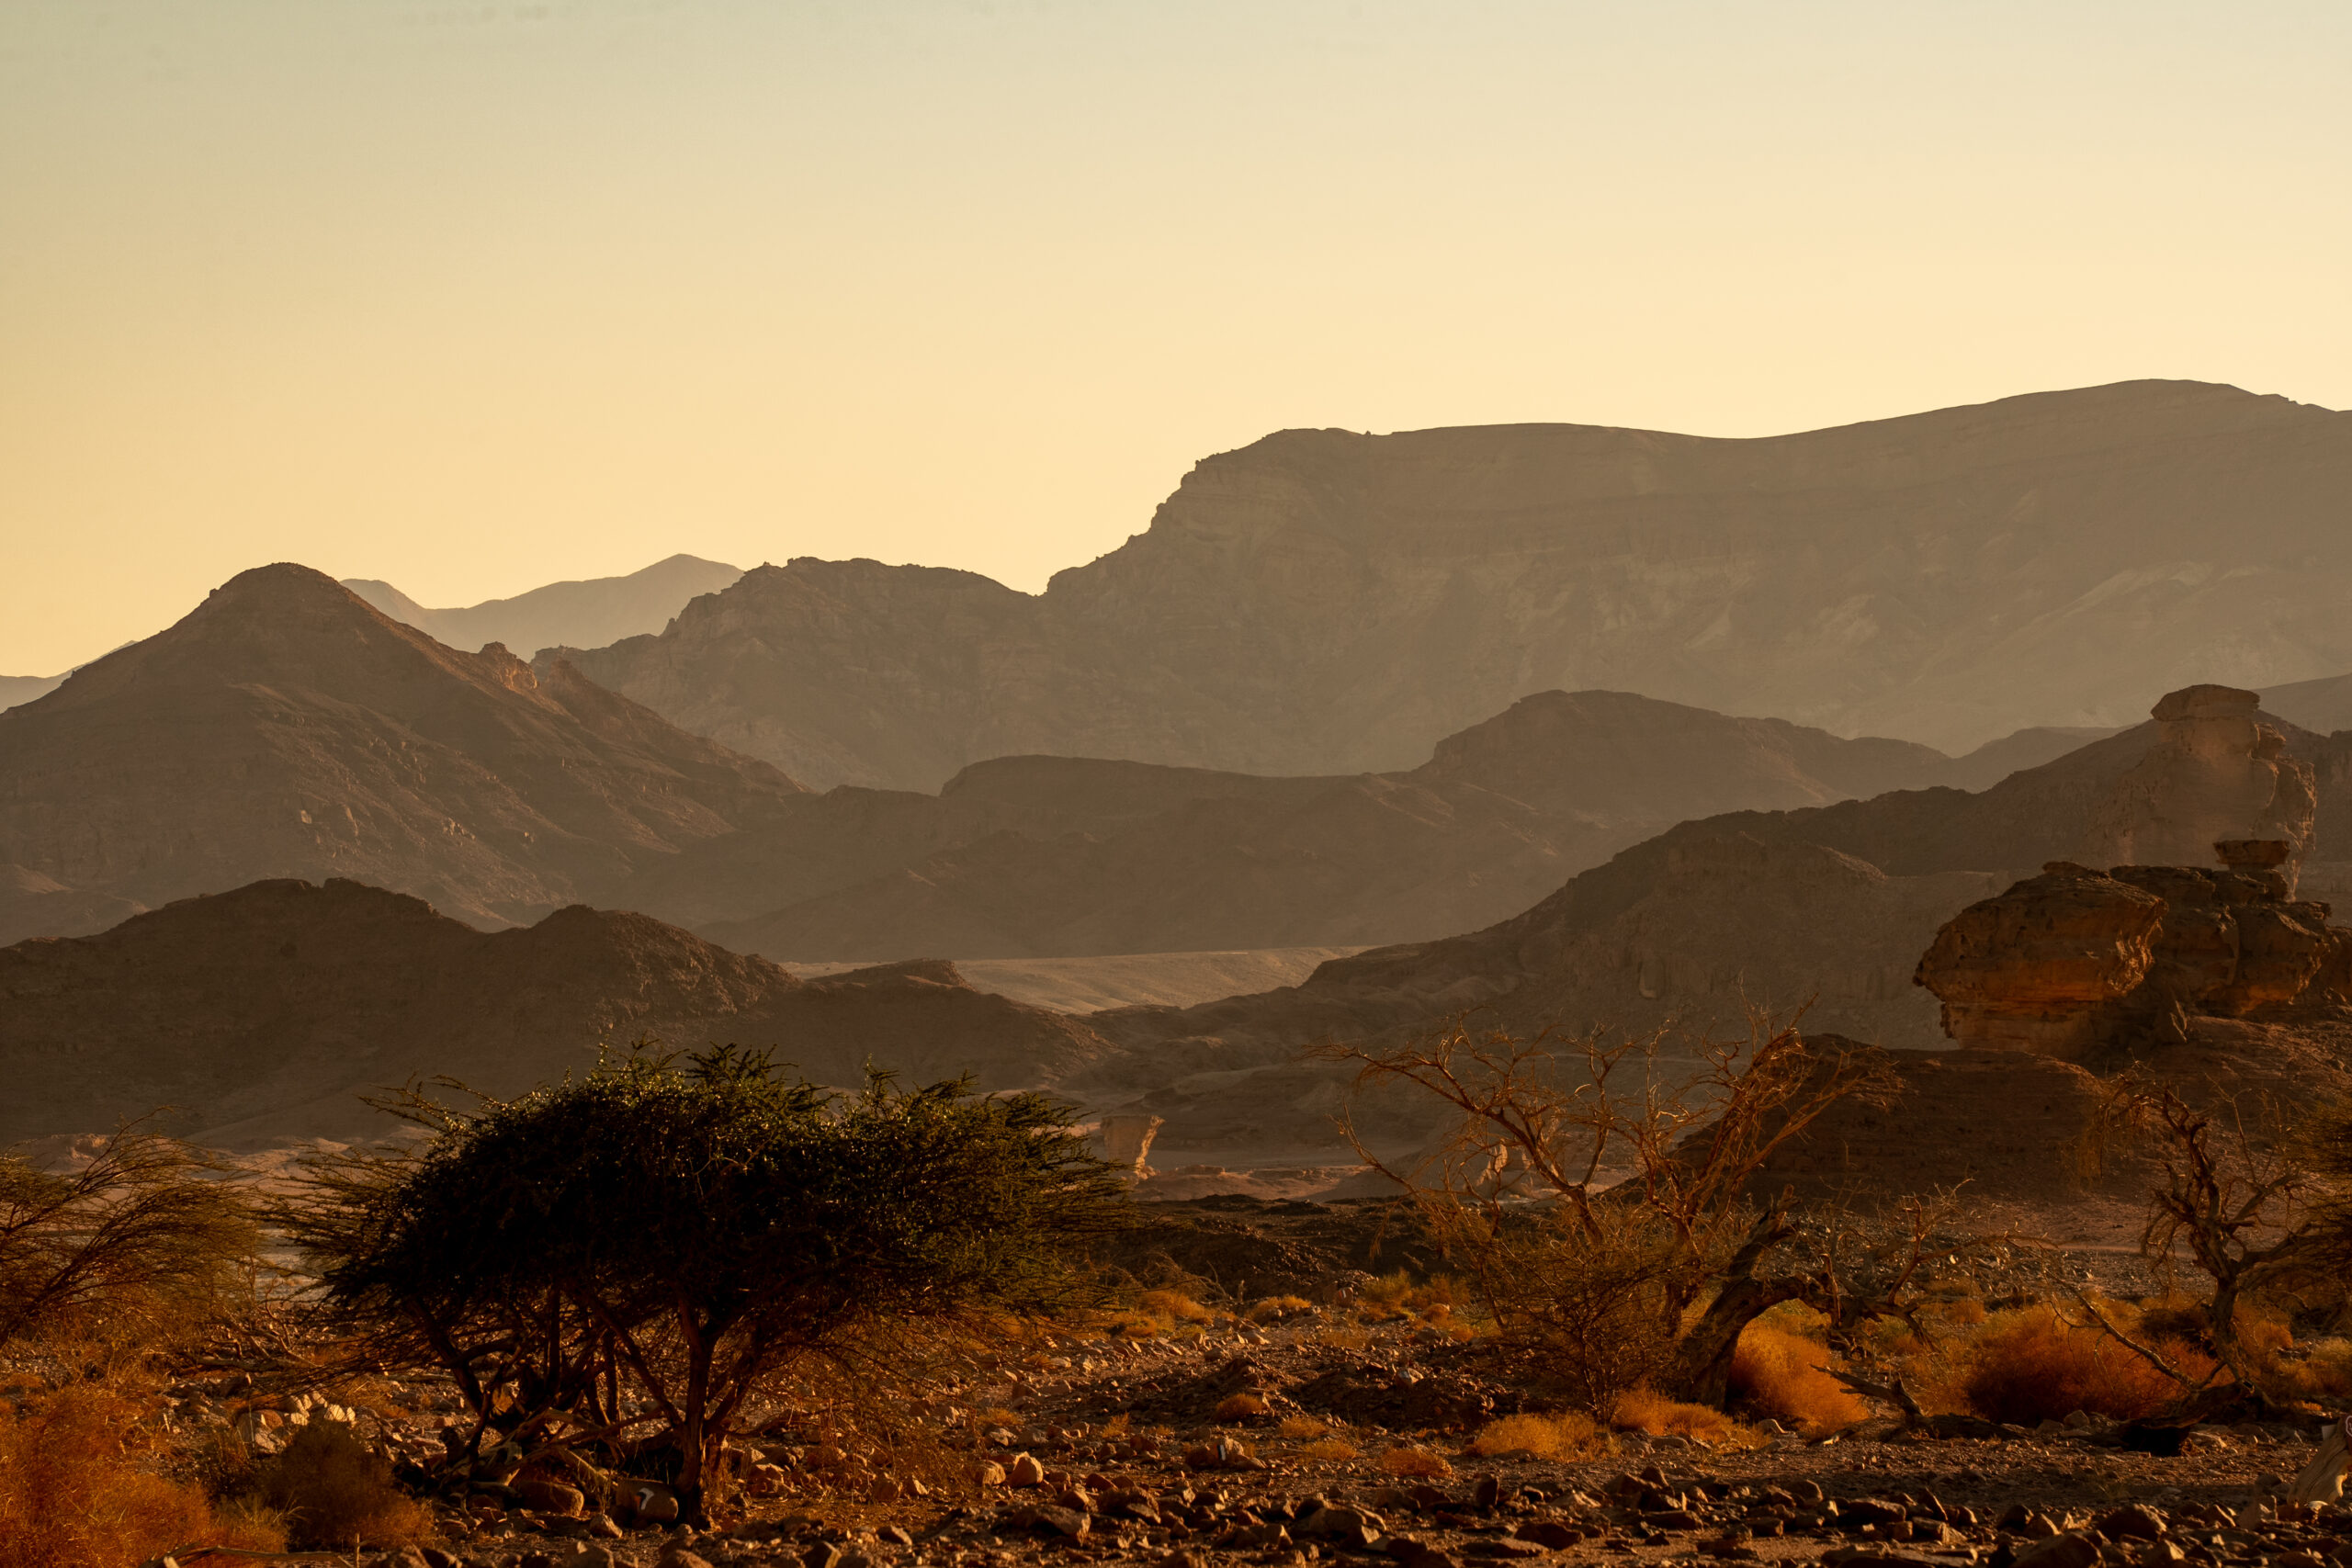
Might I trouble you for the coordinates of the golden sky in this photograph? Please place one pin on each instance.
(476, 296)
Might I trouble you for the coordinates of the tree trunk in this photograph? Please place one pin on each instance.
(692, 1411)
(1701, 1373)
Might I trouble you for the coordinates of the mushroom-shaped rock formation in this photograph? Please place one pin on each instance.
(2031, 969)
(2075, 960)
(2217, 775)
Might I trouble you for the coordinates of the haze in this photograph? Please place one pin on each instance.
(470, 298)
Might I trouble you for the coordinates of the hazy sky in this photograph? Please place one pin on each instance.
(476, 296)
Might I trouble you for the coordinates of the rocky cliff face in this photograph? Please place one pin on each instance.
(263, 1013)
(284, 727)
(1326, 602)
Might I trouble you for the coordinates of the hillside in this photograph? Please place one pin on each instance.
(261, 1014)
(1323, 601)
(18, 689)
(286, 729)
(1823, 907)
(586, 614)
(1042, 856)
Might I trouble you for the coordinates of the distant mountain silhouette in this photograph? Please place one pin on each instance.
(18, 689)
(600, 610)
(1030, 856)
(263, 1013)
(286, 729)
(1325, 602)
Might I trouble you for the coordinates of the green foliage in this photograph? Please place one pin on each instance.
(683, 1228)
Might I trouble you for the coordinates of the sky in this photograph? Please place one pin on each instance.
(476, 296)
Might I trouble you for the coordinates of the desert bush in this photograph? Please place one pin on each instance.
(1235, 1407)
(1273, 1309)
(1645, 1410)
(2033, 1364)
(1784, 1374)
(1302, 1426)
(1411, 1459)
(1567, 1437)
(334, 1492)
(78, 1489)
(139, 1245)
(681, 1230)
(1175, 1307)
(1331, 1450)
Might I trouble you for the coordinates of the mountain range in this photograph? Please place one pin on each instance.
(1324, 601)
(589, 614)
(286, 729)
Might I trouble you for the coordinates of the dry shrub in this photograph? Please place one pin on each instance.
(1302, 1426)
(2031, 1365)
(1273, 1309)
(2325, 1374)
(1545, 1437)
(1642, 1410)
(334, 1490)
(74, 1493)
(1347, 1338)
(1785, 1376)
(1240, 1407)
(1408, 1459)
(1174, 1305)
(1330, 1449)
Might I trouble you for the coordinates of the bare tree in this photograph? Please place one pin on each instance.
(1595, 1193)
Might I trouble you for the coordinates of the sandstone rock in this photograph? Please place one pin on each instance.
(2074, 960)
(1025, 1470)
(2216, 775)
(2027, 970)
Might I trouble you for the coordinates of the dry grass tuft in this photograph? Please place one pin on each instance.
(74, 1493)
(1331, 1450)
(1404, 1460)
(1783, 1375)
(2030, 1365)
(1273, 1309)
(334, 1491)
(1641, 1410)
(1240, 1407)
(1175, 1306)
(1546, 1437)
(1302, 1426)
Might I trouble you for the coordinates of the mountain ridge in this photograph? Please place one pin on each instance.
(1326, 602)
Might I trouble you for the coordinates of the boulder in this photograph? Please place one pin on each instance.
(2217, 775)
(2028, 969)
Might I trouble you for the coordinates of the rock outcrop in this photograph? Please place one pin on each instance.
(286, 729)
(2075, 963)
(1328, 602)
(2216, 775)
(263, 1013)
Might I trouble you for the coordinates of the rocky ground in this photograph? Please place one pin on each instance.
(1316, 1436)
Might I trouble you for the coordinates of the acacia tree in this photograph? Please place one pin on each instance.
(1595, 1189)
(677, 1231)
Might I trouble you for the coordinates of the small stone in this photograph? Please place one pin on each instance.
(2133, 1523)
(1062, 1521)
(823, 1554)
(988, 1472)
(1025, 1471)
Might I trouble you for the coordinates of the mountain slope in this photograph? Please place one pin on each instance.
(586, 614)
(1034, 856)
(1325, 602)
(15, 690)
(263, 1013)
(285, 729)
